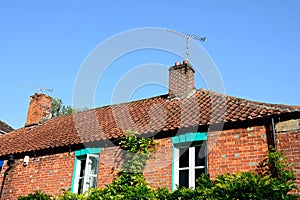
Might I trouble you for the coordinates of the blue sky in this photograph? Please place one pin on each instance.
(254, 44)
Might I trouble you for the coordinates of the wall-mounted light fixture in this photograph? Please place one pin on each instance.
(25, 160)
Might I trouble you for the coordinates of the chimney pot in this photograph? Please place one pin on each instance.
(177, 63)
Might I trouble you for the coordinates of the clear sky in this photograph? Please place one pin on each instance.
(254, 44)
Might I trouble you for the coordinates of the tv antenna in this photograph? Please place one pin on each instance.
(187, 37)
(38, 89)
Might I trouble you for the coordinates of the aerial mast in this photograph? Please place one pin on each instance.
(187, 37)
(38, 89)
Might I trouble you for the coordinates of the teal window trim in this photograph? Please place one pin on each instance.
(173, 168)
(78, 153)
(82, 152)
(74, 174)
(185, 140)
(189, 137)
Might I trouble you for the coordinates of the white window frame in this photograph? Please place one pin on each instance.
(191, 166)
(87, 172)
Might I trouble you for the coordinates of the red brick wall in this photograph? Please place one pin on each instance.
(158, 170)
(236, 150)
(289, 142)
(110, 162)
(181, 80)
(229, 151)
(48, 173)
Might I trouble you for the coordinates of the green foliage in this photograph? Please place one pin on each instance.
(37, 195)
(68, 195)
(273, 179)
(135, 144)
(59, 109)
(280, 167)
(137, 152)
(183, 194)
(138, 192)
(162, 194)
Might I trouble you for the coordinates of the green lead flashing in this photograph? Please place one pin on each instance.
(189, 137)
(82, 152)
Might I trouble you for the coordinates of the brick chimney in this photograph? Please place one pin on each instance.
(39, 109)
(181, 80)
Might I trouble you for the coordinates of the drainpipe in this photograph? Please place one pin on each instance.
(3, 181)
(273, 133)
(10, 163)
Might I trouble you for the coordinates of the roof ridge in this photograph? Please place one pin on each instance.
(273, 106)
(122, 103)
(292, 108)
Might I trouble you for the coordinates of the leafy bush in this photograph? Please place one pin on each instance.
(37, 195)
(68, 195)
(273, 179)
(246, 185)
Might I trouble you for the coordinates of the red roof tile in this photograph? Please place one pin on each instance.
(151, 115)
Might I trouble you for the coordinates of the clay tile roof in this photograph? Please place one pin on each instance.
(152, 115)
(4, 128)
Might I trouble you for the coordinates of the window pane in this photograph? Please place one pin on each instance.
(92, 182)
(94, 165)
(80, 186)
(184, 178)
(184, 157)
(198, 173)
(82, 168)
(199, 155)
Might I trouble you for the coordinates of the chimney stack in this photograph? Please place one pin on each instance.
(39, 109)
(181, 80)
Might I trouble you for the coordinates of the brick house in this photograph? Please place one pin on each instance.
(198, 131)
